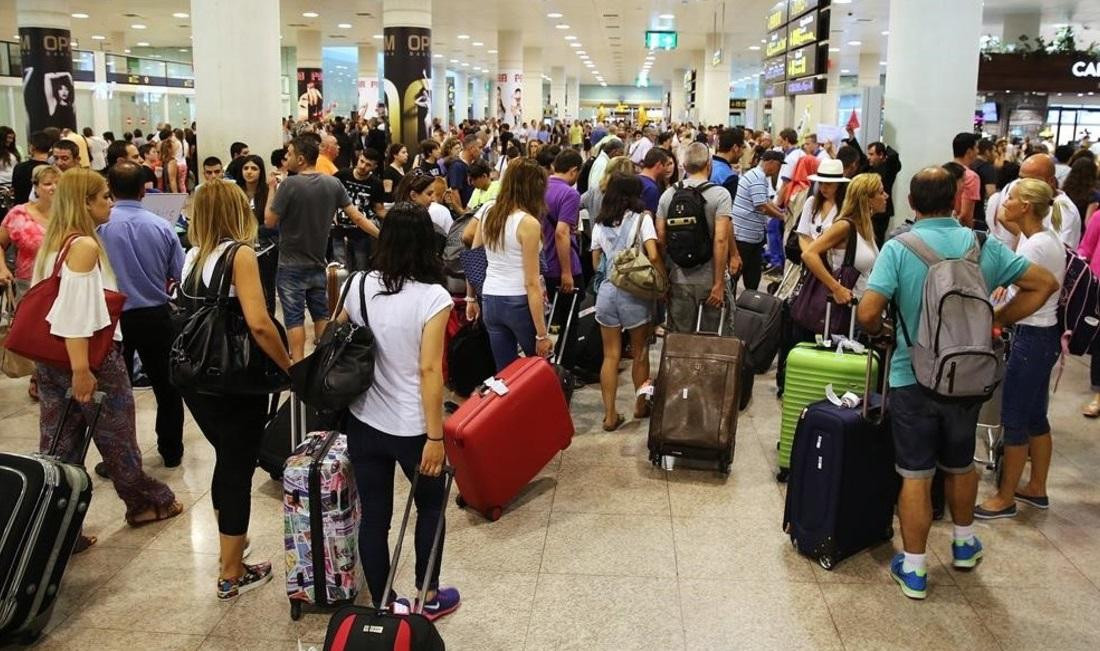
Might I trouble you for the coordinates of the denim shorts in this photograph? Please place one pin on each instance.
(930, 433)
(618, 309)
(300, 287)
(1027, 382)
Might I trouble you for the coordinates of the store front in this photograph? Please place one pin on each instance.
(1023, 95)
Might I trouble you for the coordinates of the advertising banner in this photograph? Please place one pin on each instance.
(369, 88)
(408, 66)
(510, 97)
(48, 90)
(311, 98)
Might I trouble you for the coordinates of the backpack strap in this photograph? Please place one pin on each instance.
(920, 248)
(974, 253)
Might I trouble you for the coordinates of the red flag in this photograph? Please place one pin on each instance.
(853, 121)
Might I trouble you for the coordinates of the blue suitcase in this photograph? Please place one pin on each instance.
(842, 486)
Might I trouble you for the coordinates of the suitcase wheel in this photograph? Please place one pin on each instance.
(460, 503)
(826, 561)
(295, 610)
(782, 475)
(494, 513)
(655, 459)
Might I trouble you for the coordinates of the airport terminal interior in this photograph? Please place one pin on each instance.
(693, 467)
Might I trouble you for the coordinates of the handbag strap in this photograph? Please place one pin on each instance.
(850, 247)
(362, 296)
(222, 278)
(64, 253)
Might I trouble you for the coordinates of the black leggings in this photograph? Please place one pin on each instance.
(373, 454)
(234, 425)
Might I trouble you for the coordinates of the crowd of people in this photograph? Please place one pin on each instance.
(553, 207)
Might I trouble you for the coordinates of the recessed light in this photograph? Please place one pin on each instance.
(183, 49)
(78, 15)
(581, 52)
(137, 26)
(886, 32)
(98, 37)
(834, 49)
(882, 63)
(142, 44)
(16, 37)
(74, 44)
(754, 47)
(855, 43)
(570, 38)
(378, 36)
(437, 56)
(553, 14)
(561, 26)
(666, 16)
(344, 25)
(465, 65)
(492, 51)
(845, 71)
(181, 14)
(463, 37)
(454, 60)
(650, 58)
(126, 51)
(477, 44)
(584, 57)
(310, 14)
(574, 45)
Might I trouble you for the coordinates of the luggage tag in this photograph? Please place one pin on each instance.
(848, 401)
(843, 343)
(497, 386)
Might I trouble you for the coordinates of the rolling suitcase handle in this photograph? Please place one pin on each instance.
(297, 422)
(98, 397)
(699, 319)
(827, 338)
(449, 475)
(563, 337)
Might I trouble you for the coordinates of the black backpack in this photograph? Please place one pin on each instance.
(690, 242)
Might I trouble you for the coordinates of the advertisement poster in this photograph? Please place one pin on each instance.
(311, 98)
(369, 88)
(408, 66)
(48, 90)
(510, 98)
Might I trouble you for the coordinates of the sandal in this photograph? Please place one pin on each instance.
(1091, 410)
(83, 543)
(619, 420)
(161, 513)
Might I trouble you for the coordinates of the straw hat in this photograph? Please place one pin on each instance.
(830, 171)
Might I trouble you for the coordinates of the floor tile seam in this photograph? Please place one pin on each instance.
(1066, 556)
(990, 633)
(829, 610)
(569, 510)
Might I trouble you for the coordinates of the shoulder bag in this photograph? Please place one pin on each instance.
(808, 308)
(11, 365)
(632, 271)
(30, 334)
(214, 352)
(341, 367)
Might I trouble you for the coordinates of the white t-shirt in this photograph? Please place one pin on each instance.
(866, 252)
(207, 268)
(612, 239)
(504, 272)
(441, 217)
(1046, 250)
(812, 226)
(393, 403)
(1070, 232)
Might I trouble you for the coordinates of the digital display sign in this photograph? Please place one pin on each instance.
(660, 40)
(775, 69)
(810, 86)
(803, 62)
(775, 90)
(807, 29)
(777, 43)
(777, 16)
(796, 8)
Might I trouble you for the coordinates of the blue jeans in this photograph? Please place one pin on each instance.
(351, 249)
(774, 254)
(300, 287)
(1027, 382)
(508, 322)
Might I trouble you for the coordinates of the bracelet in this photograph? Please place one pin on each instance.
(542, 338)
(435, 440)
(471, 299)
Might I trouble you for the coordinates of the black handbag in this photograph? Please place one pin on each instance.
(215, 352)
(341, 367)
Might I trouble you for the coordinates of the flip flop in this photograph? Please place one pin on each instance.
(619, 420)
(1091, 410)
(162, 513)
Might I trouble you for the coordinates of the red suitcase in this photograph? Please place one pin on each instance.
(507, 432)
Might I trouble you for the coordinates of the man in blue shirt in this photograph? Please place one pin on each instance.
(752, 210)
(731, 143)
(146, 256)
(930, 432)
(656, 170)
(458, 174)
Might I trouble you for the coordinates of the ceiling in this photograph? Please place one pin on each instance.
(611, 34)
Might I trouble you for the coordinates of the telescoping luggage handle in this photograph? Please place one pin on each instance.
(563, 336)
(448, 476)
(98, 397)
(699, 319)
(827, 337)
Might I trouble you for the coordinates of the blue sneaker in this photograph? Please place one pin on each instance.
(446, 601)
(966, 555)
(913, 584)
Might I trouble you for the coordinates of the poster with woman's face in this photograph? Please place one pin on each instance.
(48, 90)
(311, 101)
(510, 85)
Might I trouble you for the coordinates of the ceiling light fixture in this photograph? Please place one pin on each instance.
(181, 14)
(142, 44)
(437, 56)
(855, 43)
(465, 65)
(570, 37)
(882, 63)
(126, 51)
(491, 51)
(886, 32)
(845, 71)
(666, 16)
(754, 47)
(477, 44)
(310, 14)
(344, 25)
(574, 45)
(98, 37)
(454, 60)
(834, 49)
(137, 26)
(463, 37)
(79, 15)
(378, 36)
(553, 14)
(561, 26)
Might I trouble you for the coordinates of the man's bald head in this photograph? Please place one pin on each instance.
(932, 192)
(1039, 166)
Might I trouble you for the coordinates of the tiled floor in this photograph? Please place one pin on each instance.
(605, 552)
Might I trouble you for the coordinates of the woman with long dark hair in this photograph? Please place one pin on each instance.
(622, 222)
(253, 180)
(9, 154)
(396, 157)
(1081, 187)
(399, 420)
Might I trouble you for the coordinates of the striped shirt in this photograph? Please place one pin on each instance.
(749, 224)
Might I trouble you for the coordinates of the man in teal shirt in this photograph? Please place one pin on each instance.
(930, 432)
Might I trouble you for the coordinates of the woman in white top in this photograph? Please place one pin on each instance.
(622, 222)
(399, 420)
(512, 303)
(234, 424)
(820, 210)
(1036, 344)
(865, 197)
(81, 202)
(424, 190)
(9, 154)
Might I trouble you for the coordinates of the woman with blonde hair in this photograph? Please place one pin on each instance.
(234, 424)
(865, 196)
(1036, 344)
(512, 305)
(80, 204)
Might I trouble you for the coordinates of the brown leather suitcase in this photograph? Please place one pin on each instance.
(335, 275)
(696, 395)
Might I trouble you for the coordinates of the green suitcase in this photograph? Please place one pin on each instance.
(810, 368)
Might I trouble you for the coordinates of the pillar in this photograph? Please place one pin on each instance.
(532, 84)
(368, 82)
(929, 93)
(510, 78)
(462, 96)
(100, 106)
(478, 98)
(494, 96)
(439, 89)
(831, 98)
(310, 89)
(49, 93)
(870, 70)
(573, 97)
(1020, 24)
(407, 37)
(219, 93)
(557, 90)
(715, 82)
(678, 96)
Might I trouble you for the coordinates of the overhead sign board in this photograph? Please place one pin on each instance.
(775, 69)
(660, 40)
(777, 43)
(808, 86)
(808, 29)
(796, 8)
(775, 90)
(777, 16)
(804, 62)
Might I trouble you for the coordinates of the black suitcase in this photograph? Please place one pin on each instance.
(469, 359)
(366, 628)
(41, 515)
(580, 346)
(757, 321)
(279, 436)
(842, 485)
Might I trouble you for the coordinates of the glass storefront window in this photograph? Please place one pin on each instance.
(83, 60)
(180, 70)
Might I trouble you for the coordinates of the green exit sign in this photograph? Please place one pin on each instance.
(660, 40)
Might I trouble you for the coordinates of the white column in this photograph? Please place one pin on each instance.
(831, 97)
(532, 84)
(870, 70)
(49, 14)
(679, 96)
(44, 13)
(439, 93)
(101, 119)
(1021, 24)
(462, 96)
(509, 77)
(478, 98)
(573, 97)
(219, 93)
(715, 82)
(557, 90)
(309, 48)
(369, 83)
(929, 94)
